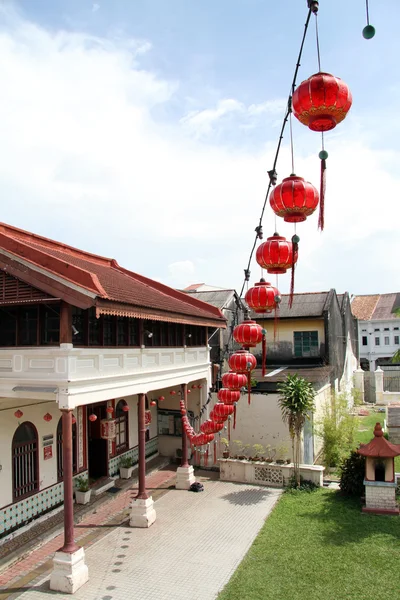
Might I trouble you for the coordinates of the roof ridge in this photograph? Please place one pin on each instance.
(33, 237)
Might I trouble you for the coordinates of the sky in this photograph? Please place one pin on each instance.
(143, 130)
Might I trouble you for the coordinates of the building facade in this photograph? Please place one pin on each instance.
(378, 328)
(83, 337)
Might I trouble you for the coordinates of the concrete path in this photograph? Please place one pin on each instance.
(190, 552)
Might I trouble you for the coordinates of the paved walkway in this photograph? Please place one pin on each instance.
(189, 553)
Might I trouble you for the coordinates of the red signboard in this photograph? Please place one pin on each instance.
(147, 417)
(108, 429)
(47, 452)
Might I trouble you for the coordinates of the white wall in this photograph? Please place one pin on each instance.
(371, 351)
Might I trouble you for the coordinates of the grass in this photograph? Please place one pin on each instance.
(319, 546)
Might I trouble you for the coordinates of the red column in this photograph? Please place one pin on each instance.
(142, 494)
(184, 460)
(69, 542)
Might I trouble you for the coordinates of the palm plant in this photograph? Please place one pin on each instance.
(296, 401)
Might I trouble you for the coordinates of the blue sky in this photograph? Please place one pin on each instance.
(143, 130)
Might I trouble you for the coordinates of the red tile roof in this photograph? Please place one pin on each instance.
(376, 307)
(363, 307)
(379, 446)
(105, 278)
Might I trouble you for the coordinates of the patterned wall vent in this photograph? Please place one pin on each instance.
(14, 290)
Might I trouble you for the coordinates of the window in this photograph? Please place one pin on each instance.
(395, 329)
(60, 470)
(109, 330)
(121, 419)
(133, 330)
(94, 328)
(387, 340)
(79, 323)
(195, 335)
(376, 329)
(386, 329)
(363, 330)
(122, 331)
(377, 341)
(396, 339)
(25, 471)
(8, 326)
(364, 340)
(49, 324)
(306, 343)
(28, 326)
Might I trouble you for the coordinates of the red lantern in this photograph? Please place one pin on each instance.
(234, 381)
(47, 417)
(199, 387)
(161, 398)
(18, 413)
(153, 403)
(228, 396)
(261, 298)
(294, 199)
(201, 439)
(173, 392)
(248, 334)
(194, 386)
(125, 408)
(321, 101)
(221, 412)
(243, 361)
(73, 419)
(189, 391)
(110, 410)
(210, 426)
(92, 418)
(276, 255)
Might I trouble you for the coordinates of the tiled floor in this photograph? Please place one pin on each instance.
(190, 552)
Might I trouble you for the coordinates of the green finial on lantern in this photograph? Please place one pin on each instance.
(323, 155)
(368, 32)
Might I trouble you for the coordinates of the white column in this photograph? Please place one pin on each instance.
(379, 386)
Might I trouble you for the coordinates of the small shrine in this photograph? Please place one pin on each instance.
(380, 483)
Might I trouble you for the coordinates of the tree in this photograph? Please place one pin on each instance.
(296, 402)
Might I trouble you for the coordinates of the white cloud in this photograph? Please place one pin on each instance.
(83, 159)
(95, 7)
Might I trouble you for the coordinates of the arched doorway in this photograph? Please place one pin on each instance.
(25, 468)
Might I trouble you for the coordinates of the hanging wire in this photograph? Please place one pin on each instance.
(285, 119)
(367, 10)
(322, 140)
(291, 141)
(317, 38)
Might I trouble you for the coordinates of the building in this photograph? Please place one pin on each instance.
(319, 331)
(231, 306)
(378, 328)
(92, 360)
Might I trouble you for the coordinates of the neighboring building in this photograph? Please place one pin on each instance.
(80, 333)
(220, 340)
(378, 328)
(318, 332)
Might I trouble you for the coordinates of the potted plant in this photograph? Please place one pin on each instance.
(271, 451)
(258, 451)
(281, 452)
(126, 467)
(82, 490)
(225, 442)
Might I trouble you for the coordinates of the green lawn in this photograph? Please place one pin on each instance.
(319, 546)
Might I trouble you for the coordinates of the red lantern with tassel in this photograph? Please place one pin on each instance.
(173, 392)
(275, 255)
(228, 396)
(221, 412)
(294, 199)
(262, 298)
(92, 418)
(243, 361)
(18, 414)
(321, 101)
(125, 408)
(234, 381)
(110, 410)
(210, 426)
(153, 403)
(248, 334)
(201, 439)
(47, 417)
(161, 398)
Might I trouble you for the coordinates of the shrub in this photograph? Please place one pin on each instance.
(352, 473)
(337, 429)
(126, 462)
(305, 485)
(82, 484)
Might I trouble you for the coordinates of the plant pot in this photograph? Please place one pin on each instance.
(280, 461)
(82, 497)
(225, 454)
(269, 460)
(125, 472)
(242, 457)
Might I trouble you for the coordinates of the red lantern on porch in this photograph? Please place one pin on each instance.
(161, 398)
(173, 392)
(47, 417)
(276, 255)
(262, 298)
(189, 391)
(201, 439)
(92, 418)
(227, 396)
(234, 381)
(321, 101)
(125, 408)
(249, 333)
(210, 426)
(153, 403)
(294, 199)
(199, 387)
(109, 410)
(194, 386)
(18, 414)
(73, 419)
